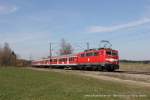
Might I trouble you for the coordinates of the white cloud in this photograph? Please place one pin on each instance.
(118, 27)
(7, 8)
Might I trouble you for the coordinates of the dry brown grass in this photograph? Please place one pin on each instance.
(135, 67)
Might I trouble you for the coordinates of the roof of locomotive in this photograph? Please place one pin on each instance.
(93, 50)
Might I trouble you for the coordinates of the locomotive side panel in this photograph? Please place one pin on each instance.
(91, 57)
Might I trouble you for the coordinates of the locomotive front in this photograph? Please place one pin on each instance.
(111, 59)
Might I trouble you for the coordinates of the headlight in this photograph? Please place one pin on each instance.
(111, 59)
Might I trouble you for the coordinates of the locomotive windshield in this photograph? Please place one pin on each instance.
(111, 53)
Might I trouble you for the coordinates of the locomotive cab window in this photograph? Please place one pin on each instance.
(108, 52)
(111, 53)
(114, 53)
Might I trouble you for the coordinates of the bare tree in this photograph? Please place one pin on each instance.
(7, 56)
(0, 55)
(13, 58)
(65, 48)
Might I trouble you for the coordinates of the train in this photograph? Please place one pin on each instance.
(101, 59)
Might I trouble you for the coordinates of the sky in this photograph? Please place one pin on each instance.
(30, 25)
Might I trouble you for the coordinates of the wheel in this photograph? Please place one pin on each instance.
(100, 68)
(110, 68)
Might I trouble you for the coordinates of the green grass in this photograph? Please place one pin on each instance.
(26, 84)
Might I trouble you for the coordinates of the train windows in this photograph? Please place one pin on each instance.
(96, 53)
(89, 54)
(60, 60)
(71, 59)
(82, 55)
(114, 54)
(50, 60)
(46, 61)
(64, 59)
(111, 53)
(108, 52)
(55, 60)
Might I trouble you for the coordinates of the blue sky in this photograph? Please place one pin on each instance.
(29, 25)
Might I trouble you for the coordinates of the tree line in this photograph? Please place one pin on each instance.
(133, 61)
(9, 58)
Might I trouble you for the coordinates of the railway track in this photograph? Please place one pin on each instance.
(133, 72)
(118, 71)
(114, 72)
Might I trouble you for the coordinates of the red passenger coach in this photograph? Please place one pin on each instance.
(93, 59)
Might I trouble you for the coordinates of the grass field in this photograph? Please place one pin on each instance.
(135, 67)
(27, 84)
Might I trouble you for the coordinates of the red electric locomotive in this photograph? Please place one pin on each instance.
(94, 59)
